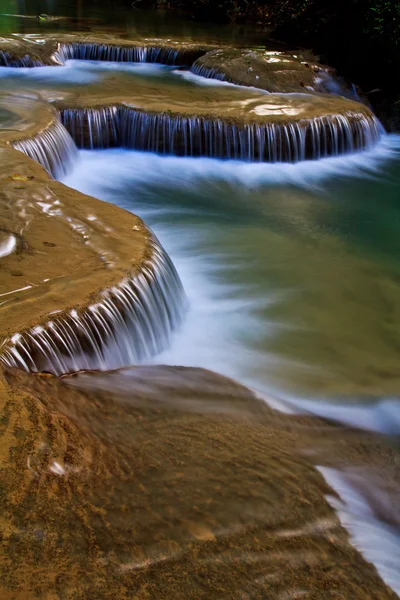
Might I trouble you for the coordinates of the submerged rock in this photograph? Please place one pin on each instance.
(164, 483)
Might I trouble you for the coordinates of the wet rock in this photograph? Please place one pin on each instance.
(117, 487)
(269, 70)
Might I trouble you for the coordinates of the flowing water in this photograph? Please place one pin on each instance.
(292, 273)
(131, 323)
(199, 136)
(291, 270)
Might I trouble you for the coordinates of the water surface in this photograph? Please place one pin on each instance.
(293, 271)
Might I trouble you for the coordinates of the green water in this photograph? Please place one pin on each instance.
(293, 271)
(96, 17)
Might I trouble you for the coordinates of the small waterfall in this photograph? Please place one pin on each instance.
(199, 69)
(93, 127)
(6, 60)
(131, 323)
(197, 136)
(142, 54)
(53, 148)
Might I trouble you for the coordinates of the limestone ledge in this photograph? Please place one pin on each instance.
(241, 109)
(45, 48)
(268, 69)
(67, 247)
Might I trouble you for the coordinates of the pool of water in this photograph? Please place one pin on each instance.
(292, 271)
(79, 73)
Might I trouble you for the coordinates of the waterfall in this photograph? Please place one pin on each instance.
(6, 60)
(93, 127)
(199, 69)
(143, 54)
(313, 138)
(53, 148)
(131, 323)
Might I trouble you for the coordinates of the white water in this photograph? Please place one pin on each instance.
(185, 200)
(80, 72)
(8, 246)
(224, 330)
(130, 323)
(377, 541)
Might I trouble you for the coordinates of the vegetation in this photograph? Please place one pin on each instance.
(360, 37)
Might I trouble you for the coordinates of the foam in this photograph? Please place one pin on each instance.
(377, 541)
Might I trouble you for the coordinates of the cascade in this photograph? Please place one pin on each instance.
(130, 323)
(312, 138)
(53, 148)
(203, 71)
(6, 60)
(143, 54)
(93, 127)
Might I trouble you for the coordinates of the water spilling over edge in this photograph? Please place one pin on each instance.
(53, 148)
(177, 135)
(6, 60)
(115, 53)
(130, 323)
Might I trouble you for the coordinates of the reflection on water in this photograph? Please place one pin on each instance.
(96, 17)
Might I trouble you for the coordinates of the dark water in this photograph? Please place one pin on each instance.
(123, 19)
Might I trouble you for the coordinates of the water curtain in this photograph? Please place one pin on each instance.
(129, 324)
(178, 135)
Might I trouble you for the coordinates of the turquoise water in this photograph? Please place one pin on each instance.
(292, 271)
